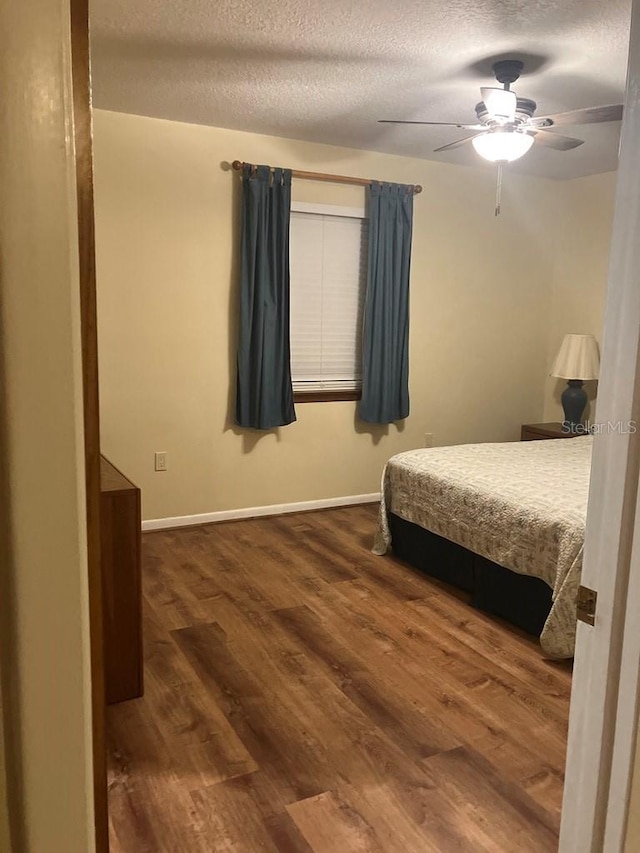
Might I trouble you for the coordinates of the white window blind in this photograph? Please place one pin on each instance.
(328, 258)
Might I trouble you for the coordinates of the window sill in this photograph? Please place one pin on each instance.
(325, 396)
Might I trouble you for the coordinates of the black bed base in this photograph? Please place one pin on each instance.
(520, 599)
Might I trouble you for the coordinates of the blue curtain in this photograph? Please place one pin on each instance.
(264, 397)
(385, 338)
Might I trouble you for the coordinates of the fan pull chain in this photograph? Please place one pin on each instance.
(498, 190)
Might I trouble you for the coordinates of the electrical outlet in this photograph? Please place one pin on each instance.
(161, 460)
(428, 439)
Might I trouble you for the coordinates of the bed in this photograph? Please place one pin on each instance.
(504, 521)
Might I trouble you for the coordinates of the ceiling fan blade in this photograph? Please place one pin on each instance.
(434, 123)
(500, 103)
(554, 140)
(590, 115)
(455, 144)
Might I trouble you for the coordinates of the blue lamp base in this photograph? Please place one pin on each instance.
(574, 399)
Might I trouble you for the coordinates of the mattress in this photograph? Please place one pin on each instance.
(522, 505)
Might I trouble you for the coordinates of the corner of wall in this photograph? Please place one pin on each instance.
(582, 221)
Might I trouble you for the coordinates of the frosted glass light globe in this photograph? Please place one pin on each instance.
(502, 146)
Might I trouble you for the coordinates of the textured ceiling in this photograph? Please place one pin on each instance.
(326, 71)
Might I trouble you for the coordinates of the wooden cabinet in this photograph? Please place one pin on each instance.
(120, 539)
(536, 432)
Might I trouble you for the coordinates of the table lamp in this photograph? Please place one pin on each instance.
(577, 361)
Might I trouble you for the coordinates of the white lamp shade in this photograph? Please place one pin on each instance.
(578, 358)
(502, 145)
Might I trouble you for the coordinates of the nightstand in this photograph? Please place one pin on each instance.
(537, 432)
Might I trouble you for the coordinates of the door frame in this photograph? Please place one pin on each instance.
(83, 138)
(604, 707)
(604, 699)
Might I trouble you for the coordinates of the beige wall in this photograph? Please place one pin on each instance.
(166, 237)
(580, 273)
(44, 643)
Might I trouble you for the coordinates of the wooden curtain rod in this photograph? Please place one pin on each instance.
(237, 165)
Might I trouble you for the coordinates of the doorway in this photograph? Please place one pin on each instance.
(626, 462)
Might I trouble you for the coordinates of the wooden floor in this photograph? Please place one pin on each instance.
(304, 695)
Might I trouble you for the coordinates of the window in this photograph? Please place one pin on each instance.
(328, 257)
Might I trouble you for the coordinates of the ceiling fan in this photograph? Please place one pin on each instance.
(507, 127)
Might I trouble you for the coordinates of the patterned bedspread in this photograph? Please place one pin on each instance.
(522, 505)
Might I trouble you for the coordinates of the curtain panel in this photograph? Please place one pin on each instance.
(264, 394)
(385, 344)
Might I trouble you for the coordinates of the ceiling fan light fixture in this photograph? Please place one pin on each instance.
(502, 146)
(501, 104)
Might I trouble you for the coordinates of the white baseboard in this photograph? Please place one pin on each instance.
(256, 512)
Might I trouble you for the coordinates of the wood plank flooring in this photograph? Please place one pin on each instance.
(304, 696)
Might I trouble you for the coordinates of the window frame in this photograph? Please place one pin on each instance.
(318, 395)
